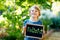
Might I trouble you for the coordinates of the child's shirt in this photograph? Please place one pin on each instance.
(28, 21)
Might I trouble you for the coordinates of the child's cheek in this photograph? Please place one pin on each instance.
(31, 13)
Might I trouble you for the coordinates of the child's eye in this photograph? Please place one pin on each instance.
(36, 11)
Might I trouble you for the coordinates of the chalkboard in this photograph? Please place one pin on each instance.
(34, 31)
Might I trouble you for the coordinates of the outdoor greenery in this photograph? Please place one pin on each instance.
(14, 12)
(56, 22)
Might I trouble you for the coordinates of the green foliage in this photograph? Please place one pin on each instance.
(56, 22)
(46, 18)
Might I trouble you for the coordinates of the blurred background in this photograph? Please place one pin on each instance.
(14, 12)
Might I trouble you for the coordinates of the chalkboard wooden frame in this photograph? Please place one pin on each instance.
(32, 36)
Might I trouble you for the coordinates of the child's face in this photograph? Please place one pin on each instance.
(34, 12)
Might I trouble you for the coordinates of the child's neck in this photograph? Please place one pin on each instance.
(34, 19)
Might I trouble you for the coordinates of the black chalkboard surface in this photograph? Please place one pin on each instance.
(34, 31)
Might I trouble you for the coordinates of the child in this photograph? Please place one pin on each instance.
(34, 15)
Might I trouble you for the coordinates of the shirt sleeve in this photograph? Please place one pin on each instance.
(25, 22)
(41, 23)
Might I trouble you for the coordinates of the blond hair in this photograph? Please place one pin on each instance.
(36, 7)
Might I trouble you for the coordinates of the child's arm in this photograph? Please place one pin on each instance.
(24, 31)
(24, 27)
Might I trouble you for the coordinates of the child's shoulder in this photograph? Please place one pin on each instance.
(39, 21)
(26, 20)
